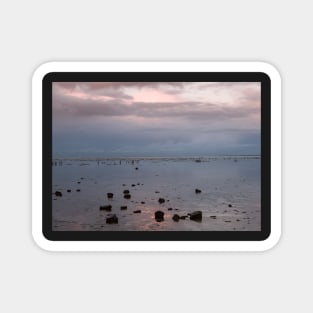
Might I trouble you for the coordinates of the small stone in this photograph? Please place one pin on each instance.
(112, 219)
(107, 208)
(157, 192)
(159, 216)
(183, 217)
(136, 168)
(137, 211)
(213, 216)
(110, 195)
(78, 190)
(78, 182)
(126, 191)
(142, 202)
(124, 207)
(198, 191)
(229, 205)
(127, 196)
(170, 209)
(69, 190)
(175, 217)
(196, 216)
(161, 200)
(133, 185)
(58, 194)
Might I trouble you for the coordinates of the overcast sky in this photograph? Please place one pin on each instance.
(117, 119)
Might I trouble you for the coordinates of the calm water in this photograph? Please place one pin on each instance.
(223, 181)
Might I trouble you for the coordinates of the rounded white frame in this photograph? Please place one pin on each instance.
(270, 70)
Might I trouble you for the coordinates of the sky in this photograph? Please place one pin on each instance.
(142, 119)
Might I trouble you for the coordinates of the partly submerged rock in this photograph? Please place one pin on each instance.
(58, 194)
(69, 190)
(161, 200)
(159, 216)
(110, 195)
(127, 196)
(175, 217)
(107, 208)
(198, 191)
(137, 211)
(126, 191)
(196, 216)
(124, 207)
(111, 219)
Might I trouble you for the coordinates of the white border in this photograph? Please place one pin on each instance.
(42, 70)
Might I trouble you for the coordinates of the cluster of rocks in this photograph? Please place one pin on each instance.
(194, 216)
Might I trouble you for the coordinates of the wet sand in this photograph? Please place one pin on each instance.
(225, 189)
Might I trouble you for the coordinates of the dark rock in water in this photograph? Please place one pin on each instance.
(78, 190)
(229, 205)
(124, 185)
(213, 216)
(58, 194)
(137, 211)
(138, 184)
(110, 195)
(126, 191)
(159, 216)
(198, 191)
(69, 190)
(136, 168)
(227, 221)
(127, 196)
(107, 208)
(133, 185)
(183, 217)
(78, 182)
(196, 216)
(170, 209)
(157, 192)
(175, 217)
(112, 219)
(161, 200)
(124, 207)
(142, 202)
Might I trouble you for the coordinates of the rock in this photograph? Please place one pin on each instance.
(126, 191)
(136, 168)
(161, 200)
(69, 190)
(58, 194)
(196, 216)
(170, 209)
(112, 219)
(133, 185)
(138, 184)
(175, 217)
(142, 202)
(124, 185)
(78, 182)
(213, 216)
(127, 196)
(198, 191)
(78, 190)
(124, 207)
(157, 191)
(229, 205)
(183, 217)
(137, 211)
(107, 208)
(110, 195)
(159, 216)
